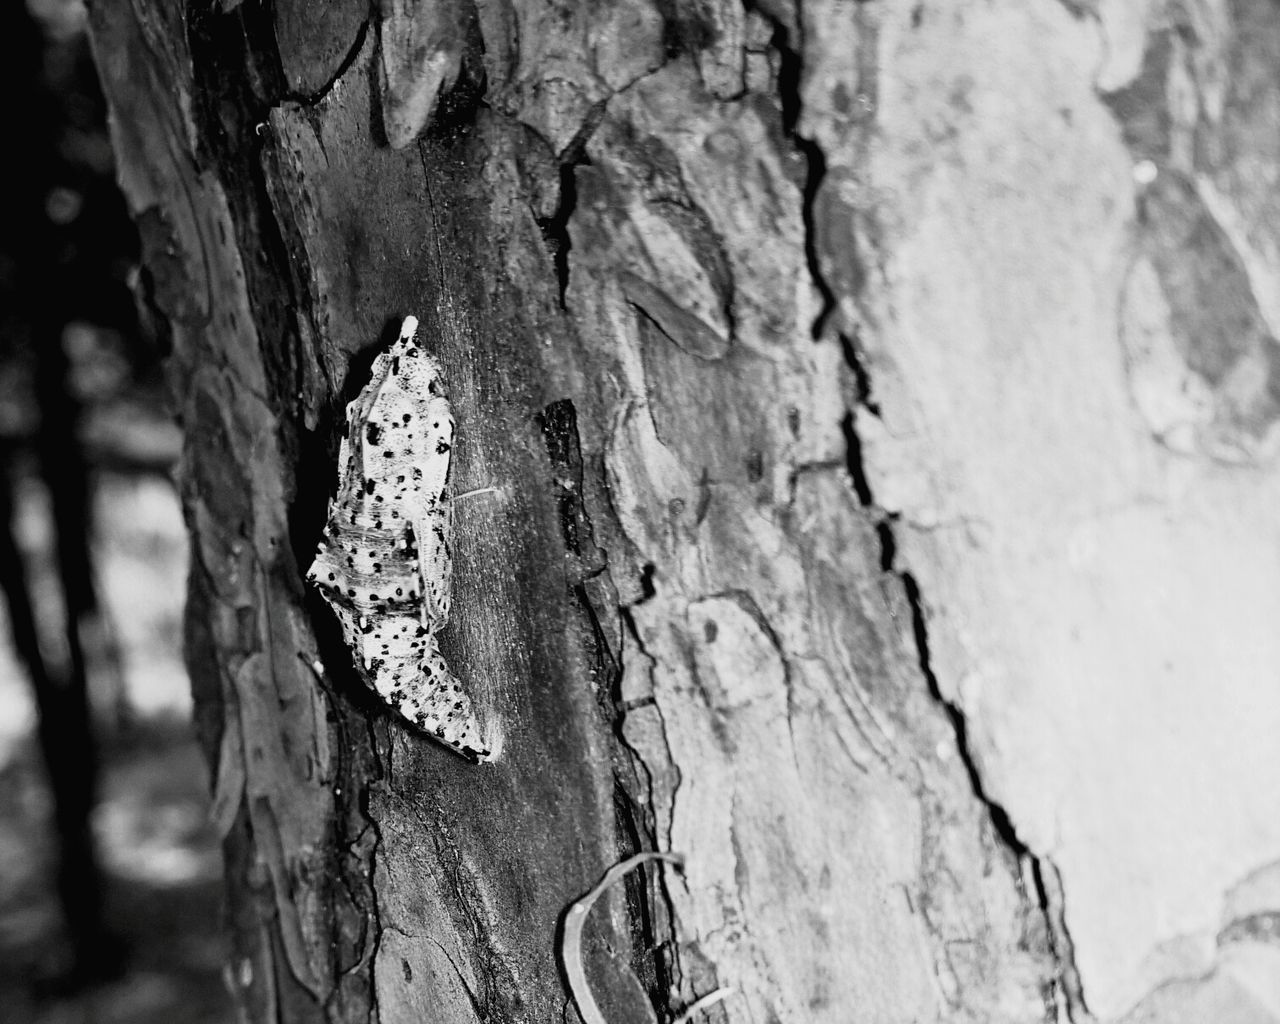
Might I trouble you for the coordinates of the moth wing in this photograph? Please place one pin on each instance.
(450, 706)
(433, 533)
(352, 456)
(432, 454)
(411, 675)
(350, 629)
(327, 561)
(381, 389)
(344, 446)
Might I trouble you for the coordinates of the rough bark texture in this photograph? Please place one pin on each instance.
(859, 426)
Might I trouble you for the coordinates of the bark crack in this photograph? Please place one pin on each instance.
(375, 915)
(233, 82)
(305, 99)
(476, 1007)
(555, 228)
(1062, 993)
(657, 922)
(372, 942)
(744, 600)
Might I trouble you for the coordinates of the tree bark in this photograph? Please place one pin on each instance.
(757, 322)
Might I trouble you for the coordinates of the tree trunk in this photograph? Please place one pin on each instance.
(864, 393)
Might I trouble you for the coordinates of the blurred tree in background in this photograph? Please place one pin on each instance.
(67, 255)
(87, 530)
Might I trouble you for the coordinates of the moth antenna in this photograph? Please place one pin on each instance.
(478, 490)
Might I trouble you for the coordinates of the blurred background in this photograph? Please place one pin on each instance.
(110, 876)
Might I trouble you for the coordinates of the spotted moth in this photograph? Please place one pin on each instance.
(384, 565)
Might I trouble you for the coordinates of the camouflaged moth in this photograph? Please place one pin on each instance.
(384, 565)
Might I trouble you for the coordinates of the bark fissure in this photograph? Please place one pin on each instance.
(363, 862)
(790, 71)
(239, 79)
(239, 85)
(1065, 986)
(663, 950)
(1063, 991)
(477, 1007)
(555, 228)
(375, 915)
(305, 99)
(587, 561)
(638, 831)
(435, 220)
